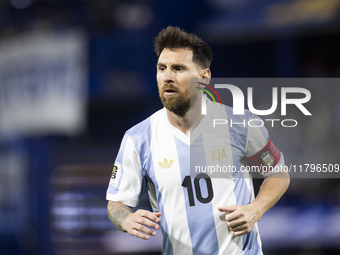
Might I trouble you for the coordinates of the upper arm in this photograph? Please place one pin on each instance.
(261, 151)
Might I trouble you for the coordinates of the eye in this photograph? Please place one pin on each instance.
(179, 69)
(161, 68)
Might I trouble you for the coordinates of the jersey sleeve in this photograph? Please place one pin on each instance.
(126, 181)
(260, 150)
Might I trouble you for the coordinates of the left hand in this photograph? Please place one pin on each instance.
(241, 218)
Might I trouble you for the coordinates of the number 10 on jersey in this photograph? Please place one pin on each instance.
(187, 183)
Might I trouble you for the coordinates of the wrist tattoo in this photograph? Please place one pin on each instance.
(117, 213)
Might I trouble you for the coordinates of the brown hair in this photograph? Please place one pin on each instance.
(175, 38)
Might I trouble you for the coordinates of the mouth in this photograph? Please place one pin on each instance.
(170, 91)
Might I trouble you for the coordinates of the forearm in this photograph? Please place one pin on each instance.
(118, 212)
(271, 191)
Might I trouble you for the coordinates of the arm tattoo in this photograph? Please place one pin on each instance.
(117, 213)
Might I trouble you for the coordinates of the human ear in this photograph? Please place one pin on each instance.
(205, 75)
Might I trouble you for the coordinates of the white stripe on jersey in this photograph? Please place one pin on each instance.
(163, 146)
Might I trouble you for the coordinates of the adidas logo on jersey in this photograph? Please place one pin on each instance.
(166, 164)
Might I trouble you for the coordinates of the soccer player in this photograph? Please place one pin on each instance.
(197, 214)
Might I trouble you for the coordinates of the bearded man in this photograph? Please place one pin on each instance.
(197, 214)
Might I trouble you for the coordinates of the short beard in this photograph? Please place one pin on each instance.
(179, 104)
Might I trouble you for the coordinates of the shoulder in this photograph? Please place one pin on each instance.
(142, 130)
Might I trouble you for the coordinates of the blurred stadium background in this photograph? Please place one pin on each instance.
(75, 75)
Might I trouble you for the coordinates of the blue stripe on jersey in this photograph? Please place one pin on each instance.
(252, 247)
(238, 132)
(141, 137)
(167, 246)
(114, 189)
(200, 216)
(238, 137)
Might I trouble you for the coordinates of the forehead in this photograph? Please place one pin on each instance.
(183, 56)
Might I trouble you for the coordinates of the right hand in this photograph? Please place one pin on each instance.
(136, 223)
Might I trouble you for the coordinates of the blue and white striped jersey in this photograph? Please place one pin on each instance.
(155, 156)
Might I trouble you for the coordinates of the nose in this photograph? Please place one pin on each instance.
(168, 76)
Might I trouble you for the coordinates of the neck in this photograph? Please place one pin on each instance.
(184, 123)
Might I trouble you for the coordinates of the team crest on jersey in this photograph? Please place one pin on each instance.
(116, 171)
(166, 164)
(219, 154)
(267, 158)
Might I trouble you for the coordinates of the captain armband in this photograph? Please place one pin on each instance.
(266, 159)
